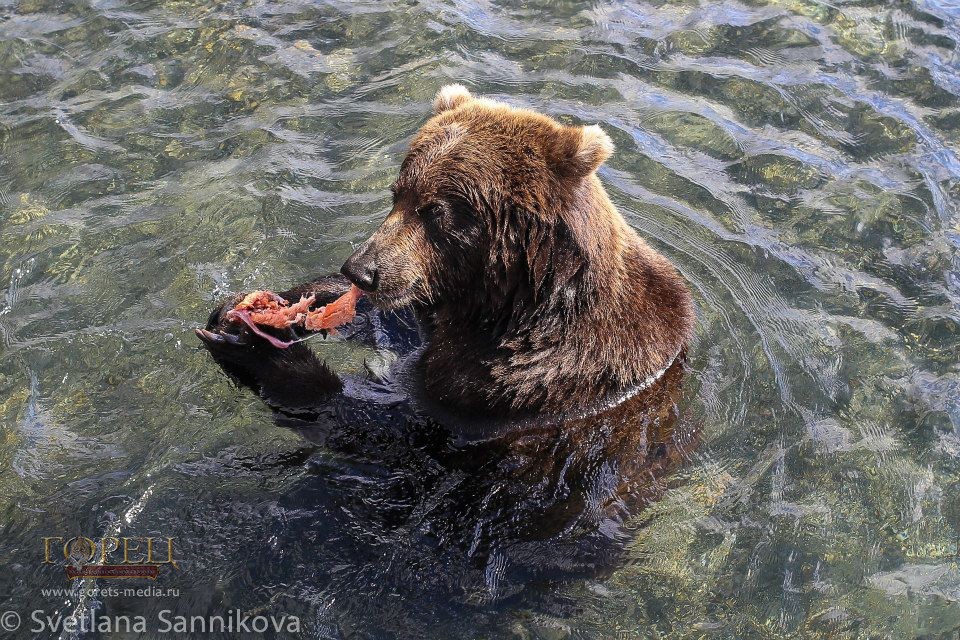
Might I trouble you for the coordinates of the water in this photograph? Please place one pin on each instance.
(796, 160)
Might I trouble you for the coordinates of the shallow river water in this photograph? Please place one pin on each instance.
(797, 160)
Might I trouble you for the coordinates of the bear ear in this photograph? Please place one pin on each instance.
(583, 150)
(451, 97)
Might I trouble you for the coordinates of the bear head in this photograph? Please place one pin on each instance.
(487, 207)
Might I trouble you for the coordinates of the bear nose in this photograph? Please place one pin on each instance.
(361, 270)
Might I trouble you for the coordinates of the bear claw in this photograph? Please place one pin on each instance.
(218, 338)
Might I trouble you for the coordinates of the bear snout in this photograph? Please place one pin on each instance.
(361, 269)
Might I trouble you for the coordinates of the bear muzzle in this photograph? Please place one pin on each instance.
(361, 268)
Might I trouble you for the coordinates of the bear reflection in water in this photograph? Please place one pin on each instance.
(430, 504)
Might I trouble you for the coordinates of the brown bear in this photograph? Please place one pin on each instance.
(534, 402)
(535, 295)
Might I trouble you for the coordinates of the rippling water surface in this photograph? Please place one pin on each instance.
(797, 160)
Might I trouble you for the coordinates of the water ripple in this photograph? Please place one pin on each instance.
(797, 160)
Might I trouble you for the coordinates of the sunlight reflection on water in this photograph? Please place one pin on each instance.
(796, 160)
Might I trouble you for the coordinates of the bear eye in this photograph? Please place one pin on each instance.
(430, 211)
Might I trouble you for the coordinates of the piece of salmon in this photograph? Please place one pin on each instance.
(264, 308)
(337, 313)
